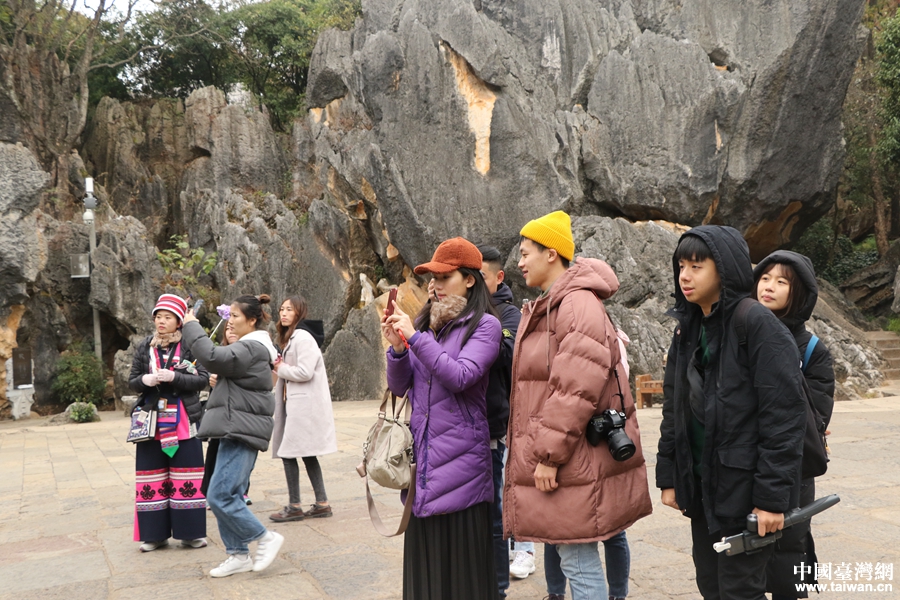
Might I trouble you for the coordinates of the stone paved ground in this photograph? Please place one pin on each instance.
(66, 519)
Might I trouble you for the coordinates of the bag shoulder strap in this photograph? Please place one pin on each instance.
(809, 350)
(739, 320)
(379, 525)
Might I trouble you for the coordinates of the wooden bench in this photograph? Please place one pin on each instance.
(645, 388)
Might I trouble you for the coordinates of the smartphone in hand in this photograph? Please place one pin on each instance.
(392, 297)
(197, 306)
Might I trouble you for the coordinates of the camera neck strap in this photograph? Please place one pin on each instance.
(621, 396)
(614, 351)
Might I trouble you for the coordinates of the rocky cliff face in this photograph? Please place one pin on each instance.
(436, 119)
(215, 172)
(693, 112)
(21, 252)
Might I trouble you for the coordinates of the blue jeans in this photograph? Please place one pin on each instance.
(581, 564)
(237, 525)
(618, 567)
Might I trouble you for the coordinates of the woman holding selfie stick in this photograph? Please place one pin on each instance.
(239, 413)
(442, 360)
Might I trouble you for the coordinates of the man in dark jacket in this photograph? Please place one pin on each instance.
(498, 396)
(734, 412)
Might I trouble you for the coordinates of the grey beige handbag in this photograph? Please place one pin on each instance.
(389, 460)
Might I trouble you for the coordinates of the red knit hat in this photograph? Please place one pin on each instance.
(172, 303)
(450, 256)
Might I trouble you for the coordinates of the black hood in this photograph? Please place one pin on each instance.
(805, 271)
(314, 328)
(732, 257)
(503, 294)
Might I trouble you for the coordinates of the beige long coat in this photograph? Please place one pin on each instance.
(304, 421)
(562, 374)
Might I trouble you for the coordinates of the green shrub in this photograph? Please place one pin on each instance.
(817, 243)
(835, 258)
(847, 260)
(79, 377)
(184, 261)
(82, 412)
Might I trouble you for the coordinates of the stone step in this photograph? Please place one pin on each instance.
(892, 363)
(891, 354)
(881, 335)
(891, 374)
(886, 344)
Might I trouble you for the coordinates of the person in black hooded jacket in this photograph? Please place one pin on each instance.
(498, 399)
(786, 284)
(731, 438)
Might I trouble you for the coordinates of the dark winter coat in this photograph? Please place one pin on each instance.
(241, 405)
(820, 371)
(754, 412)
(185, 385)
(796, 544)
(501, 371)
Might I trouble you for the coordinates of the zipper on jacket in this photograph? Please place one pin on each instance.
(464, 409)
(422, 458)
(517, 353)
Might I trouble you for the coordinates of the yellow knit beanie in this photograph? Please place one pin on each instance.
(552, 231)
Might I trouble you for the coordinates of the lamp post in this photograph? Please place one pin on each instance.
(90, 203)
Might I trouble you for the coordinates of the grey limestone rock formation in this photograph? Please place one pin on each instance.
(895, 304)
(436, 119)
(469, 118)
(216, 173)
(872, 288)
(21, 253)
(355, 358)
(21, 182)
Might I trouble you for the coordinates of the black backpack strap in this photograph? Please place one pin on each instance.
(739, 320)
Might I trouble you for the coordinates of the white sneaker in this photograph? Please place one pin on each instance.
(522, 566)
(233, 564)
(151, 546)
(267, 550)
(198, 543)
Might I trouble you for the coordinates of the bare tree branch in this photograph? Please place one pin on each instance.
(137, 52)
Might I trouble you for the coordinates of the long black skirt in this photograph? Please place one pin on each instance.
(450, 557)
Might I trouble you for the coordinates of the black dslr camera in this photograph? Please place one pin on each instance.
(610, 426)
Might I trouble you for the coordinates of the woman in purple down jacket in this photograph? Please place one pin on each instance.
(448, 547)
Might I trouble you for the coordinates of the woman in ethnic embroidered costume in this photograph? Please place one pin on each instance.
(169, 468)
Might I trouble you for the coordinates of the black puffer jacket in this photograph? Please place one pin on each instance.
(796, 544)
(754, 409)
(501, 371)
(185, 385)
